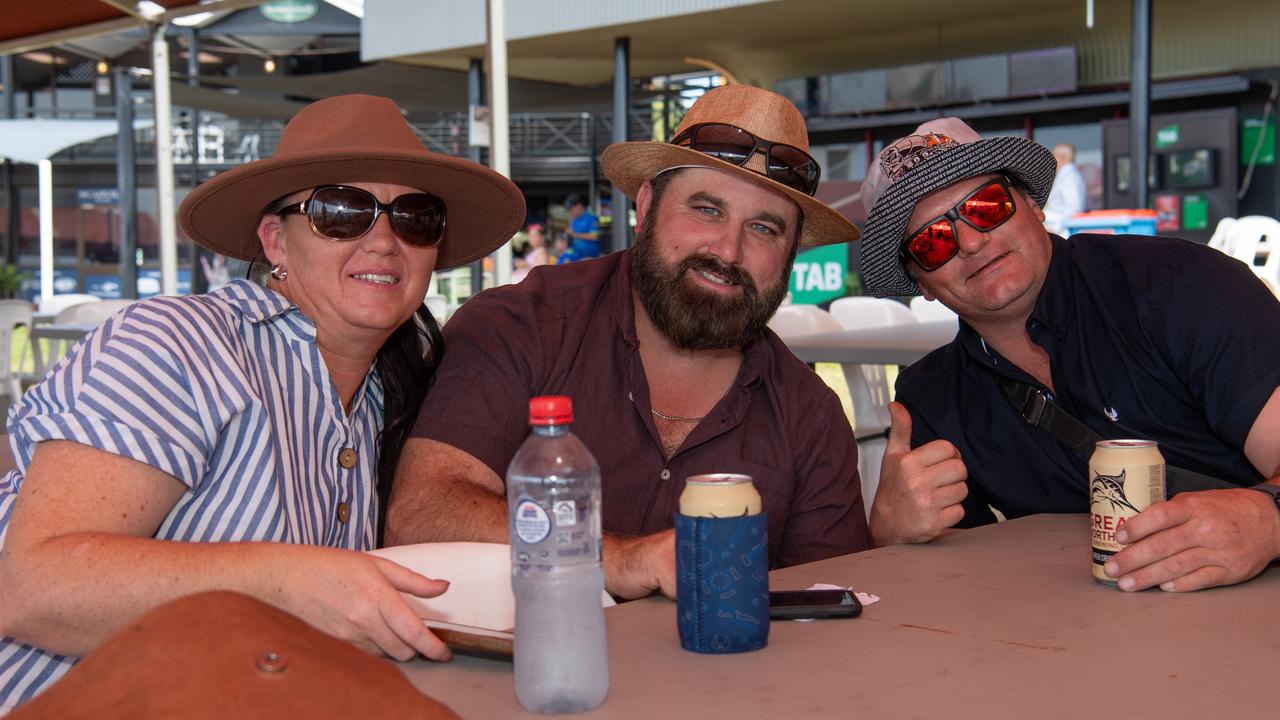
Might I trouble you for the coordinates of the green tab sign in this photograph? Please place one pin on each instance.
(818, 274)
(1167, 135)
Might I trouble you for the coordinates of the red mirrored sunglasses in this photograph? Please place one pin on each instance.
(339, 212)
(984, 209)
(785, 164)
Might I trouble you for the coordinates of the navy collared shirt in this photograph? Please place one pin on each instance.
(1147, 337)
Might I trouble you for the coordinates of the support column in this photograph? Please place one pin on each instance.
(475, 97)
(45, 167)
(593, 179)
(126, 180)
(165, 205)
(199, 283)
(499, 118)
(1140, 103)
(11, 204)
(621, 227)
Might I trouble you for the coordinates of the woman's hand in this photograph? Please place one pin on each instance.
(356, 597)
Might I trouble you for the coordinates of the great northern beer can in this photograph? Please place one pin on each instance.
(1125, 478)
(719, 495)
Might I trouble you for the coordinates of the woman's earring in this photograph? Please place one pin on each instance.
(278, 272)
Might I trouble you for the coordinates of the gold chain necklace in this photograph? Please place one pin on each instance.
(676, 418)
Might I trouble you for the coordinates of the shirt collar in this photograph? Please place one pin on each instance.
(258, 304)
(1055, 307)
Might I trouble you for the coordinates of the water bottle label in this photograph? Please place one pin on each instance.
(566, 513)
(532, 524)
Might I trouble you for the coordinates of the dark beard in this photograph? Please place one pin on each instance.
(691, 317)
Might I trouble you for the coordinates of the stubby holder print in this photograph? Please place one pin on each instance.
(722, 583)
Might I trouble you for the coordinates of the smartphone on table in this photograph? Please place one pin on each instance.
(812, 604)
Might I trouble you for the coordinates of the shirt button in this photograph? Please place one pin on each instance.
(344, 512)
(347, 458)
(631, 397)
(665, 474)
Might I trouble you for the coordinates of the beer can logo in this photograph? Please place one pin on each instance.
(1109, 489)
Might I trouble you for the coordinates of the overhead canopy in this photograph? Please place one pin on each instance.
(31, 141)
(30, 25)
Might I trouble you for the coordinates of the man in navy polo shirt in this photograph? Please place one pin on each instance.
(1140, 337)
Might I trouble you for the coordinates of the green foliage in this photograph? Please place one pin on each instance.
(852, 284)
(11, 280)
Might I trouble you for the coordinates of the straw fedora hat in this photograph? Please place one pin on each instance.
(764, 114)
(354, 138)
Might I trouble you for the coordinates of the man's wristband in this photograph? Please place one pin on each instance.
(1270, 489)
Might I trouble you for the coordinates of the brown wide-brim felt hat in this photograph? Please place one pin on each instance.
(355, 138)
(764, 114)
(221, 654)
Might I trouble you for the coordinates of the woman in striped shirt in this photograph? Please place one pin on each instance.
(246, 439)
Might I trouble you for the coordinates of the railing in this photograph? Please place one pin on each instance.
(232, 141)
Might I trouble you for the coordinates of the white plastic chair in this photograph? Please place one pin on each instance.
(87, 313)
(1270, 270)
(57, 303)
(1249, 234)
(439, 307)
(93, 312)
(1222, 235)
(930, 310)
(869, 384)
(795, 320)
(12, 314)
(857, 313)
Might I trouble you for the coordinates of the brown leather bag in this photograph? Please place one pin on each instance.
(227, 655)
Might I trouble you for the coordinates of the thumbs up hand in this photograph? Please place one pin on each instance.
(920, 490)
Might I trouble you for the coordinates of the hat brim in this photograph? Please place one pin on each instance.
(628, 165)
(1029, 163)
(484, 208)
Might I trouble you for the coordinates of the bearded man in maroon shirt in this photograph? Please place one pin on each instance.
(665, 351)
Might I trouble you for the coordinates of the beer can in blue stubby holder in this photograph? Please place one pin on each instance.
(722, 565)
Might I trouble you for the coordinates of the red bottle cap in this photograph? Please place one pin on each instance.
(551, 410)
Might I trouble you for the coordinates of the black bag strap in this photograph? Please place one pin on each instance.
(1038, 409)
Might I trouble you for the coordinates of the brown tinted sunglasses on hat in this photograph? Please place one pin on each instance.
(340, 212)
(784, 164)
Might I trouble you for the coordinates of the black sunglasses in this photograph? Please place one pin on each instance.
(339, 212)
(937, 241)
(785, 164)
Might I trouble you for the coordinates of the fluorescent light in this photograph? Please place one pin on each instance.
(192, 20)
(44, 58)
(149, 10)
(351, 7)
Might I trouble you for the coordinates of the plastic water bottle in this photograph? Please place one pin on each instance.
(553, 499)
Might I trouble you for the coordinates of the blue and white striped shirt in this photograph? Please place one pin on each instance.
(226, 392)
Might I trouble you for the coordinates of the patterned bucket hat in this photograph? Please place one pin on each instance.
(939, 153)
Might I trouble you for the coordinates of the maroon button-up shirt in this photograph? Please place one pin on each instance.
(570, 330)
